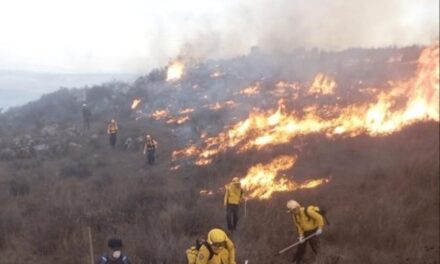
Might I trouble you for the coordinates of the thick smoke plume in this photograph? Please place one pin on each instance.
(285, 25)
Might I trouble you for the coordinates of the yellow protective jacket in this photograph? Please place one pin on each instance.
(150, 144)
(112, 128)
(233, 193)
(304, 223)
(223, 255)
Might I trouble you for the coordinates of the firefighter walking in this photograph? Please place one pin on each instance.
(86, 114)
(112, 131)
(150, 149)
(309, 223)
(232, 200)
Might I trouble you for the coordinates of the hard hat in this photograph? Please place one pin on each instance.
(113, 120)
(148, 136)
(292, 204)
(216, 236)
(84, 104)
(114, 243)
(235, 179)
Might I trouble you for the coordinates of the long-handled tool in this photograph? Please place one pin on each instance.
(295, 244)
(245, 208)
(92, 257)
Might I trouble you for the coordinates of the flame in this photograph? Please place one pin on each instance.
(282, 89)
(322, 85)
(218, 105)
(402, 104)
(186, 111)
(159, 114)
(207, 192)
(176, 167)
(135, 103)
(312, 183)
(175, 71)
(178, 120)
(251, 90)
(216, 74)
(261, 180)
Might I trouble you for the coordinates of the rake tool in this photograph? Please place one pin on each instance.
(295, 244)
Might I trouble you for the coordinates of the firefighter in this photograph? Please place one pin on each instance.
(232, 200)
(115, 254)
(150, 148)
(86, 114)
(219, 249)
(308, 222)
(112, 130)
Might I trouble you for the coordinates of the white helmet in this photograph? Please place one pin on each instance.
(292, 204)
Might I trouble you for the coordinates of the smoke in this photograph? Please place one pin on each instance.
(140, 35)
(284, 25)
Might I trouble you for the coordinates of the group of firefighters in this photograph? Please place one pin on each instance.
(218, 248)
(150, 145)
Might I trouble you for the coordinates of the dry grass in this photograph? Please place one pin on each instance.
(382, 202)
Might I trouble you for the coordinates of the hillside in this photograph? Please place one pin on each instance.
(360, 124)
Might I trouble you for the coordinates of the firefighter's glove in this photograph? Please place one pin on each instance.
(301, 239)
(318, 232)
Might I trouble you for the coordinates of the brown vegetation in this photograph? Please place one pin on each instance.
(382, 199)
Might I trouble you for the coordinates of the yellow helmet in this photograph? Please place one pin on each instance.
(292, 204)
(235, 179)
(216, 236)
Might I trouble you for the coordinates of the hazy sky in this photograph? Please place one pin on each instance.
(134, 35)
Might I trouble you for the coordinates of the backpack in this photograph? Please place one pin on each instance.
(318, 210)
(193, 252)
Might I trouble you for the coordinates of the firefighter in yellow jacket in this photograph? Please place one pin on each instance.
(112, 131)
(232, 200)
(308, 222)
(222, 247)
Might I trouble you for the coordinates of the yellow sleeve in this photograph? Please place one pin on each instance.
(203, 256)
(317, 217)
(231, 249)
(225, 200)
(298, 227)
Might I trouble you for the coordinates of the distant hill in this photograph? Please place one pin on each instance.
(19, 87)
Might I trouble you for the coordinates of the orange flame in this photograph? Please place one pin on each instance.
(159, 114)
(216, 74)
(416, 99)
(135, 103)
(263, 180)
(178, 120)
(260, 181)
(251, 90)
(175, 71)
(186, 111)
(322, 85)
(218, 105)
